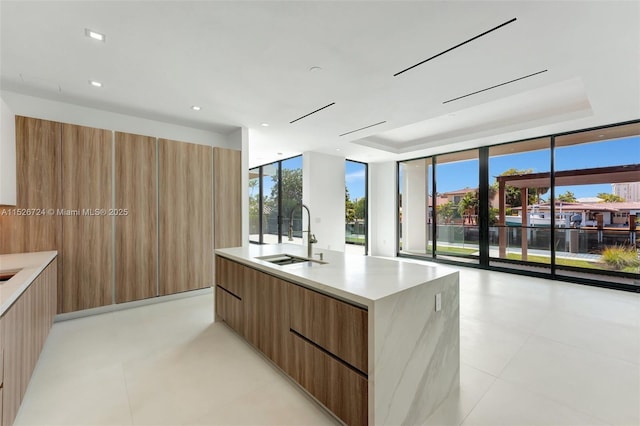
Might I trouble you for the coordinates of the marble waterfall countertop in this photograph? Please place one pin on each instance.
(355, 278)
(413, 323)
(27, 267)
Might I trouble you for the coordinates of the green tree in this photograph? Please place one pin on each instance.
(360, 207)
(513, 195)
(349, 208)
(468, 204)
(567, 197)
(445, 212)
(610, 198)
(254, 206)
(290, 198)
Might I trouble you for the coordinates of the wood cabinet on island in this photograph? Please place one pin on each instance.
(375, 341)
(27, 309)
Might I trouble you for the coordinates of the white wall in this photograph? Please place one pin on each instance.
(7, 155)
(323, 190)
(383, 232)
(47, 109)
(414, 207)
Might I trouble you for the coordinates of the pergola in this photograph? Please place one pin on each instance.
(612, 174)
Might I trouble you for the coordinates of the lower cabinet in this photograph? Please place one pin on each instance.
(333, 382)
(25, 327)
(319, 341)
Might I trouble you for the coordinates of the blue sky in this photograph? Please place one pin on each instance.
(354, 178)
(599, 154)
(463, 174)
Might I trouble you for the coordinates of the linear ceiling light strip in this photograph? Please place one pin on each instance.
(312, 112)
(493, 87)
(456, 46)
(362, 128)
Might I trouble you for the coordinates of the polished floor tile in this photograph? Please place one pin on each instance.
(508, 405)
(533, 352)
(488, 346)
(603, 387)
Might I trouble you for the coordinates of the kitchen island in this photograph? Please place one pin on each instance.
(376, 341)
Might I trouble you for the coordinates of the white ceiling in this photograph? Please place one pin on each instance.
(247, 62)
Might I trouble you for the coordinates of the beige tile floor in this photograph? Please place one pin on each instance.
(533, 352)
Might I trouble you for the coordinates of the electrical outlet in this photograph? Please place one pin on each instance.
(438, 302)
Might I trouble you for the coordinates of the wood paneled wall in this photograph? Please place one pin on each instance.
(136, 233)
(186, 216)
(87, 243)
(227, 230)
(25, 327)
(38, 168)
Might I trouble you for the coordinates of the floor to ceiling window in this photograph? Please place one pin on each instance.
(564, 205)
(355, 207)
(457, 204)
(519, 214)
(597, 209)
(274, 190)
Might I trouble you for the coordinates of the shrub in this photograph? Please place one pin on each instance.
(620, 257)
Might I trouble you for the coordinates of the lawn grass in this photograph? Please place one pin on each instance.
(355, 240)
(576, 263)
(454, 250)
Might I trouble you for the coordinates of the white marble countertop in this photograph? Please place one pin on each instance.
(29, 266)
(355, 278)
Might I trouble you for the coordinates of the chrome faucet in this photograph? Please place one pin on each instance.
(311, 239)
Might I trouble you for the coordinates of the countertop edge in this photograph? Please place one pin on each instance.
(354, 299)
(363, 301)
(31, 266)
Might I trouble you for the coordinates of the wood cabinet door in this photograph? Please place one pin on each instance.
(336, 326)
(136, 232)
(338, 386)
(87, 239)
(25, 326)
(229, 308)
(227, 198)
(272, 320)
(38, 175)
(186, 216)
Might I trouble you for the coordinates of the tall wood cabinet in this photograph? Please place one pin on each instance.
(38, 173)
(131, 216)
(227, 198)
(137, 231)
(186, 212)
(87, 241)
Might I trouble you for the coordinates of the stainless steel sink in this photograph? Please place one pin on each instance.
(288, 259)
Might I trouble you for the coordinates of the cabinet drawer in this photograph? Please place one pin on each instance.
(337, 386)
(229, 308)
(336, 326)
(230, 275)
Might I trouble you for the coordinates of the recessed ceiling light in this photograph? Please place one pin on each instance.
(315, 69)
(279, 153)
(95, 35)
(264, 124)
(95, 83)
(196, 108)
(337, 149)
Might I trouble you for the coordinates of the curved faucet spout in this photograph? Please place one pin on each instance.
(311, 238)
